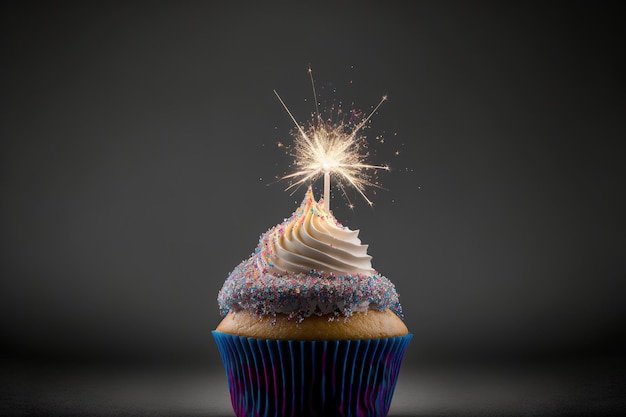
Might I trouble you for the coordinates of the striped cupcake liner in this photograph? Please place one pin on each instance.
(311, 378)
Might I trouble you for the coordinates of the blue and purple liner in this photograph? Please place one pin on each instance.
(311, 378)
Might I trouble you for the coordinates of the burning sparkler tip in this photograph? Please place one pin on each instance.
(323, 149)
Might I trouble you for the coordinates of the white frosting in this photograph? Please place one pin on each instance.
(312, 239)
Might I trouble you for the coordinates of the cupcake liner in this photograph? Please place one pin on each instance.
(311, 378)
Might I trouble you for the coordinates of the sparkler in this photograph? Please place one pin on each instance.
(326, 149)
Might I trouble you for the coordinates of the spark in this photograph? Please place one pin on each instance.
(327, 149)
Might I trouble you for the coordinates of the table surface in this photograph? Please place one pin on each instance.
(586, 388)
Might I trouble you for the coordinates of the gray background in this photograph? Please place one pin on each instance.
(138, 159)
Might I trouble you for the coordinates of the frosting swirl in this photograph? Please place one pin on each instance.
(308, 265)
(312, 239)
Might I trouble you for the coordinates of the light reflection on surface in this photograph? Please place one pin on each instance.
(579, 388)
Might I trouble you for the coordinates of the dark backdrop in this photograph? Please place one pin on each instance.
(138, 158)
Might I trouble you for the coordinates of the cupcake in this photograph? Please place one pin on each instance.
(309, 328)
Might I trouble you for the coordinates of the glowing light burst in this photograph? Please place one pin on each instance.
(338, 149)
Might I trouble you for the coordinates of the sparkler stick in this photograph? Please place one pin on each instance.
(327, 191)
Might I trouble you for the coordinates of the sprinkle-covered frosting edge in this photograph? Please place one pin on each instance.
(257, 286)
